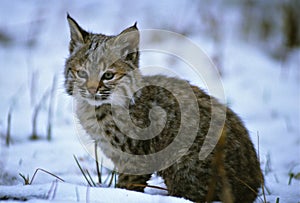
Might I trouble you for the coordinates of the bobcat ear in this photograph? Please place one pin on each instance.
(127, 44)
(130, 35)
(78, 35)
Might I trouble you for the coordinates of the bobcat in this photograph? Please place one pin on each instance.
(133, 118)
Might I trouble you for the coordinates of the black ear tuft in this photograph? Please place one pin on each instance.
(135, 25)
(78, 35)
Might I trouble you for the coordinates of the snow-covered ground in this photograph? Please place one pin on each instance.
(263, 91)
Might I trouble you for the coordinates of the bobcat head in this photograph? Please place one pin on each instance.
(97, 63)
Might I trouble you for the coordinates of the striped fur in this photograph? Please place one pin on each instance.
(114, 102)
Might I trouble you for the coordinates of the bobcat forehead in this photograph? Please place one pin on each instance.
(97, 51)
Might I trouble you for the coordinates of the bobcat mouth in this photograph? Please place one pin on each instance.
(98, 96)
(101, 97)
(97, 100)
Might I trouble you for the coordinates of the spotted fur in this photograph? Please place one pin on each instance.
(102, 75)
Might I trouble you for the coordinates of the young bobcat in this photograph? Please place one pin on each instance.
(148, 124)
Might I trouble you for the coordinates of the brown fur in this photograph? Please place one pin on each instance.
(231, 172)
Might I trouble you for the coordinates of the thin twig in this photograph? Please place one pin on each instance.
(13, 103)
(50, 109)
(36, 111)
(8, 130)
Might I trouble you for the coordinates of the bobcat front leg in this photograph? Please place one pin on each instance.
(127, 180)
(133, 182)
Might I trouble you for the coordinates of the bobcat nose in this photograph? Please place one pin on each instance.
(92, 90)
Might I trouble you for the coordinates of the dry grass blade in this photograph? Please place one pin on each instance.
(26, 179)
(77, 194)
(97, 165)
(262, 179)
(52, 191)
(151, 186)
(90, 177)
(87, 194)
(250, 188)
(40, 169)
(82, 171)
(111, 178)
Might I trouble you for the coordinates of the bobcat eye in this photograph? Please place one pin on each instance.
(82, 74)
(108, 75)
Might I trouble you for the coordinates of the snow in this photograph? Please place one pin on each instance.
(263, 91)
(62, 192)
